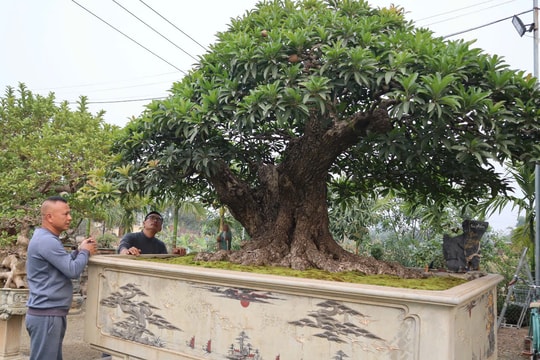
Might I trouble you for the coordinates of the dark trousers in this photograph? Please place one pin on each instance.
(46, 336)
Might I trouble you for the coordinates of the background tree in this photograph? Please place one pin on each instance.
(351, 215)
(46, 149)
(117, 209)
(297, 92)
(175, 207)
(524, 199)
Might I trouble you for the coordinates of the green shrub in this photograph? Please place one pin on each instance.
(377, 252)
(7, 240)
(107, 241)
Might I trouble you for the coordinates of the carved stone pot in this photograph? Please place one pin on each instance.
(147, 310)
(12, 312)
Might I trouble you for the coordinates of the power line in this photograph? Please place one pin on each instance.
(154, 30)
(113, 89)
(115, 101)
(125, 100)
(136, 42)
(453, 11)
(473, 12)
(177, 28)
(77, 87)
(115, 82)
(465, 14)
(484, 25)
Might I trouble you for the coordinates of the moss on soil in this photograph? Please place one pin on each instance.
(428, 283)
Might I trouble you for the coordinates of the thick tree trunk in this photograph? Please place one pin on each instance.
(287, 214)
(295, 233)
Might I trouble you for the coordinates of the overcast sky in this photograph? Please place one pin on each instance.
(70, 47)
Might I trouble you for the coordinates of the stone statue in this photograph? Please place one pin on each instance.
(462, 252)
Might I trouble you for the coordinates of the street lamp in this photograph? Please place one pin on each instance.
(520, 27)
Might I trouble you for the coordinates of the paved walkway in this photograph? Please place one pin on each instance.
(74, 346)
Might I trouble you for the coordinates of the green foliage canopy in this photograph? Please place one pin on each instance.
(45, 149)
(287, 67)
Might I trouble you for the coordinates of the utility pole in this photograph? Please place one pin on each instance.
(520, 27)
(537, 166)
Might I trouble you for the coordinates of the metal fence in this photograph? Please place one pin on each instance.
(517, 310)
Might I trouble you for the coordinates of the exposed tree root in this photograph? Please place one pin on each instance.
(281, 256)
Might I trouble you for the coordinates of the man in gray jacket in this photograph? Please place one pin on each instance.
(50, 269)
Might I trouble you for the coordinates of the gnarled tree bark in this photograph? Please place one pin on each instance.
(287, 215)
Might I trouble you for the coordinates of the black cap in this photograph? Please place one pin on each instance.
(153, 213)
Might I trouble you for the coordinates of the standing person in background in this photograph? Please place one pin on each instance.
(224, 239)
(50, 269)
(145, 241)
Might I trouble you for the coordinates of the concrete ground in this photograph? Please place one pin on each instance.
(74, 346)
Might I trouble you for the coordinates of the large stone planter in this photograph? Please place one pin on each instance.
(12, 312)
(144, 310)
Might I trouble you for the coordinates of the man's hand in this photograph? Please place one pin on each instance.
(89, 245)
(131, 251)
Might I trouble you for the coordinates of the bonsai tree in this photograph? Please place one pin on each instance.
(298, 94)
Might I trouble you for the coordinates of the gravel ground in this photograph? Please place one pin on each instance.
(510, 342)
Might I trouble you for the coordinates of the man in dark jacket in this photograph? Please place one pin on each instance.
(145, 241)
